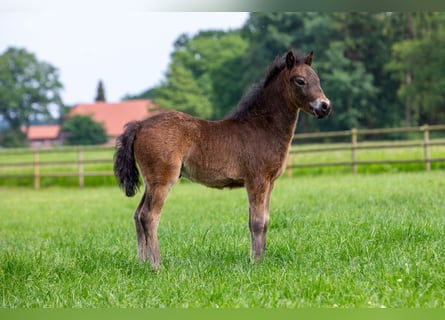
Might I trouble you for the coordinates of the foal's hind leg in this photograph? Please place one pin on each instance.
(141, 210)
(147, 219)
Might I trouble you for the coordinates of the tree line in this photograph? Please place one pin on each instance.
(378, 69)
(30, 93)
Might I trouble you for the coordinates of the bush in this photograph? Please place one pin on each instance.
(12, 139)
(82, 130)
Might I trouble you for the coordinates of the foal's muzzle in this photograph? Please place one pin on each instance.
(321, 108)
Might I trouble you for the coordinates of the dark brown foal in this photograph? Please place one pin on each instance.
(246, 149)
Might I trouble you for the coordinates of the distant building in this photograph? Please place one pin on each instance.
(114, 116)
(44, 135)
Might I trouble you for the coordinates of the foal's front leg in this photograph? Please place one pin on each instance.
(259, 196)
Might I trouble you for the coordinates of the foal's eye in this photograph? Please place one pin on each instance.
(299, 82)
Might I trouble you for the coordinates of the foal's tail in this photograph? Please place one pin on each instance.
(125, 169)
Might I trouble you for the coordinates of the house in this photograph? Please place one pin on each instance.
(114, 116)
(43, 135)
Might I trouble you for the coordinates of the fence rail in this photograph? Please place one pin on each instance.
(82, 162)
(32, 169)
(354, 146)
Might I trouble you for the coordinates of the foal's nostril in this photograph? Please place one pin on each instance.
(324, 106)
(321, 108)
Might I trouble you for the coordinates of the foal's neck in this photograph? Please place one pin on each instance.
(266, 109)
(277, 115)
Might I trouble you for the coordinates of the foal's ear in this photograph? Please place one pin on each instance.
(290, 60)
(308, 60)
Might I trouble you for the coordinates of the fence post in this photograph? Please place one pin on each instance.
(36, 169)
(426, 149)
(354, 150)
(80, 167)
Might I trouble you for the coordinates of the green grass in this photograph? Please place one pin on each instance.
(334, 241)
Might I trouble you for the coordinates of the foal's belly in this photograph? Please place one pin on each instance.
(211, 177)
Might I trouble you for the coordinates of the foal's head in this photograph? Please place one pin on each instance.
(303, 86)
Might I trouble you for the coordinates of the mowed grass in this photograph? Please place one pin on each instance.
(333, 241)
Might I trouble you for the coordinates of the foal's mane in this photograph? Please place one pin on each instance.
(247, 104)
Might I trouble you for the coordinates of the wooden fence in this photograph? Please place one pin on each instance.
(79, 168)
(354, 146)
(35, 166)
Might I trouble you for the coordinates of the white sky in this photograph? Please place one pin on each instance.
(128, 50)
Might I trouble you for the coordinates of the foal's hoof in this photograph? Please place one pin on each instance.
(254, 259)
(156, 267)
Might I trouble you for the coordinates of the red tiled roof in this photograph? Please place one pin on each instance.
(113, 116)
(43, 132)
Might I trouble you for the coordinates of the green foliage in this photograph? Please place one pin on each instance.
(363, 60)
(82, 130)
(29, 88)
(348, 85)
(378, 69)
(419, 63)
(194, 83)
(182, 92)
(333, 241)
(10, 138)
(269, 35)
(147, 94)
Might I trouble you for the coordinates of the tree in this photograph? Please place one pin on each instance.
(379, 69)
(351, 50)
(269, 34)
(347, 83)
(147, 94)
(82, 130)
(29, 89)
(181, 92)
(13, 139)
(100, 96)
(418, 62)
(203, 78)
(209, 57)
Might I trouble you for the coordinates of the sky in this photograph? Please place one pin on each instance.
(129, 50)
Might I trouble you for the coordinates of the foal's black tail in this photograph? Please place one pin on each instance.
(125, 169)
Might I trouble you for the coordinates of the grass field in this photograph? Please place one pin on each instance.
(334, 241)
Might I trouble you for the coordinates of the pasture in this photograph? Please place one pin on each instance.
(341, 241)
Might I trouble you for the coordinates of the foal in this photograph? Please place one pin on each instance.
(246, 149)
